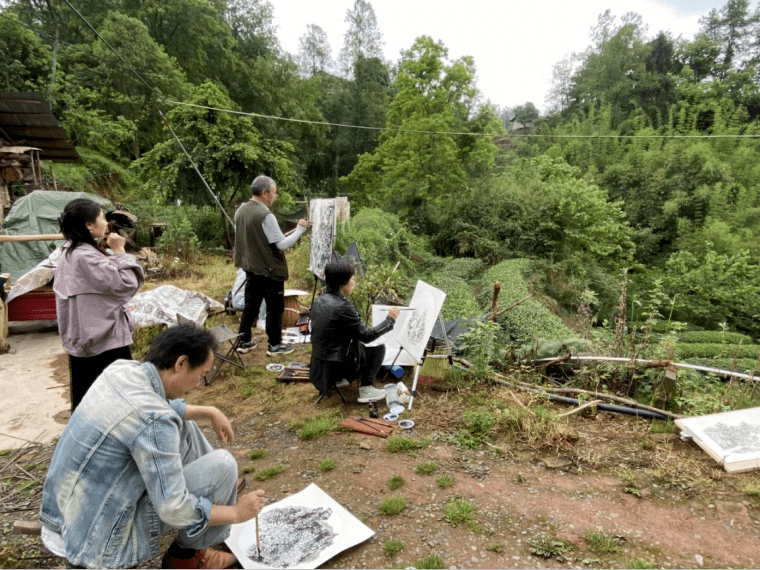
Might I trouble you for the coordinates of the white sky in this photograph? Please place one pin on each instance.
(515, 44)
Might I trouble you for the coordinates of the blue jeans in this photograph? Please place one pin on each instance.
(210, 473)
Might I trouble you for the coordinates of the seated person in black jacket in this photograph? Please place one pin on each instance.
(337, 332)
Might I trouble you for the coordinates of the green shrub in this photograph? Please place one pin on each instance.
(726, 337)
(445, 480)
(317, 425)
(179, 240)
(270, 472)
(257, 454)
(745, 365)
(460, 511)
(529, 319)
(427, 468)
(392, 505)
(600, 542)
(327, 465)
(391, 547)
(467, 268)
(460, 298)
(717, 350)
(396, 443)
(432, 561)
(395, 482)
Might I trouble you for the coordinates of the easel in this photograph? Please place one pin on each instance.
(427, 353)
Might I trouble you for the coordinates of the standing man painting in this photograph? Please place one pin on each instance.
(260, 251)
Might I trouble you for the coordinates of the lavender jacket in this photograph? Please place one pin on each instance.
(92, 294)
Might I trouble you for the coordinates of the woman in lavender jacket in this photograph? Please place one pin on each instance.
(92, 292)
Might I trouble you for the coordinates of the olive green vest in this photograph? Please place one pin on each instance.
(252, 250)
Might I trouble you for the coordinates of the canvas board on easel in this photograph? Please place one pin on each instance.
(730, 438)
(323, 217)
(389, 339)
(417, 326)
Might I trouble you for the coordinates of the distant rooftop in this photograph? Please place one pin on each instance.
(26, 120)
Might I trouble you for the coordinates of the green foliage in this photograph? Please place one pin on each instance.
(392, 547)
(392, 505)
(270, 472)
(496, 547)
(717, 350)
(257, 454)
(395, 482)
(712, 337)
(528, 320)
(460, 298)
(459, 510)
(179, 239)
(426, 468)
(481, 345)
(327, 465)
(432, 561)
(26, 59)
(640, 563)
(548, 547)
(396, 443)
(317, 425)
(444, 480)
(602, 543)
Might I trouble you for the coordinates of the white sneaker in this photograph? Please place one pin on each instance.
(370, 394)
(342, 384)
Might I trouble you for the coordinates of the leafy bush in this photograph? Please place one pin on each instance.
(718, 350)
(726, 337)
(529, 319)
(662, 326)
(460, 298)
(467, 268)
(395, 482)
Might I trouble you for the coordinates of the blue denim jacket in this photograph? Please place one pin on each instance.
(117, 470)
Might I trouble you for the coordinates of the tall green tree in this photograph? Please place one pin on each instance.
(362, 38)
(314, 52)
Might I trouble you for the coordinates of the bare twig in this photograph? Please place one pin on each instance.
(578, 409)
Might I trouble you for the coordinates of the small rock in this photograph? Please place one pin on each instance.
(364, 445)
(700, 560)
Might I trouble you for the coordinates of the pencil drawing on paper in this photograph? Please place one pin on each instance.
(291, 535)
(323, 226)
(742, 438)
(418, 324)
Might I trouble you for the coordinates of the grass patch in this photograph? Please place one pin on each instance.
(445, 480)
(432, 561)
(327, 465)
(142, 337)
(460, 511)
(4, 452)
(270, 472)
(640, 563)
(315, 426)
(248, 469)
(498, 548)
(395, 482)
(658, 426)
(752, 488)
(549, 547)
(427, 468)
(391, 547)
(257, 454)
(602, 543)
(393, 505)
(396, 443)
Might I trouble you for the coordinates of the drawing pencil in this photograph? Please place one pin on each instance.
(400, 309)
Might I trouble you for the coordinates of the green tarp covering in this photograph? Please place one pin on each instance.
(35, 214)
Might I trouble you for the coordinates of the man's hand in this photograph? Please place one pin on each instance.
(248, 506)
(303, 223)
(393, 313)
(222, 426)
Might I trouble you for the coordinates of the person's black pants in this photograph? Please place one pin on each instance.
(258, 288)
(373, 360)
(84, 370)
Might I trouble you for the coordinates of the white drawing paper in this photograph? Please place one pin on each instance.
(731, 438)
(415, 330)
(389, 339)
(323, 217)
(345, 530)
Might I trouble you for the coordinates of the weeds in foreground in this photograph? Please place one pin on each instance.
(327, 465)
(270, 472)
(498, 548)
(427, 468)
(658, 426)
(460, 511)
(392, 505)
(391, 547)
(395, 482)
(248, 469)
(602, 543)
(396, 443)
(549, 547)
(445, 480)
(640, 564)
(315, 426)
(752, 488)
(432, 561)
(257, 454)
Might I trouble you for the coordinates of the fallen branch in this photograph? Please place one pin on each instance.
(504, 310)
(579, 408)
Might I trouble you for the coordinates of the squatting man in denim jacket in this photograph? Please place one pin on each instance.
(131, 464)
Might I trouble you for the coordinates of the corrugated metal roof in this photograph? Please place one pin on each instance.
(26, 120)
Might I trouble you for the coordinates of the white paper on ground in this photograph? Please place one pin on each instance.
(350, 530)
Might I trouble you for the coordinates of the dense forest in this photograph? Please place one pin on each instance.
(646, 161)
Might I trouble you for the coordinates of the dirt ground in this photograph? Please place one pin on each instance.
(659, 502)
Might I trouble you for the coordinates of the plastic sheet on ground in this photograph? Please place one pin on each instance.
(161, 305)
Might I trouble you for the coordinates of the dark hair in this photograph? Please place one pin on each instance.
(261, 184)
(182, 340)
(337, 273)
(74, 218)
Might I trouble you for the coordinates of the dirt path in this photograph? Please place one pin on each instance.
(33, 377)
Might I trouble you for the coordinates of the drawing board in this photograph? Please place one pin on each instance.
(413, 333)
(309, 519)
(730, 438)
(323, 217)
(389, 339)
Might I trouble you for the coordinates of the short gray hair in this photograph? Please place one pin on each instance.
(261, 184)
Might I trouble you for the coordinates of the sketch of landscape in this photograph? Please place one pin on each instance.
(415, 331)
(301, 531)
(323, 227)
(731, 438)
(291, 535)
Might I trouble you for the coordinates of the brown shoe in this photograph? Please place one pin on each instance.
(206, 558)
